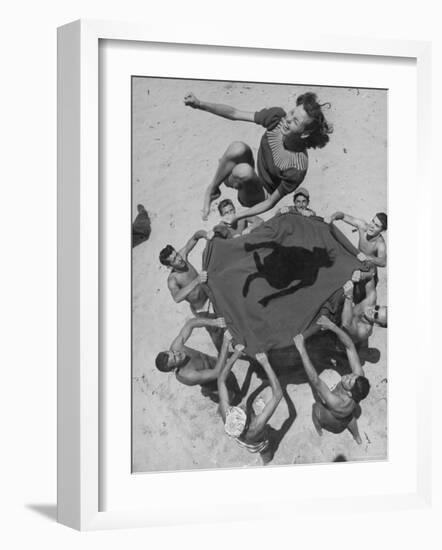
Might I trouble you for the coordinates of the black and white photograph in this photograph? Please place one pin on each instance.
(259, 274)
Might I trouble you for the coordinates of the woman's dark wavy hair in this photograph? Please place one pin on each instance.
(319, 128)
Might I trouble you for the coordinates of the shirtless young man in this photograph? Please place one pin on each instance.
(282, 155)
(247, 428)
(184, 282)
(191, 366)
(371, 242)
(227, 210)
(358, 320)
(335, 409)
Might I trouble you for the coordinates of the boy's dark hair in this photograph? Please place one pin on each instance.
(223, 204)
(319, 128)
(360, 388)
(382, 217)
(162, 361)
(165, 253)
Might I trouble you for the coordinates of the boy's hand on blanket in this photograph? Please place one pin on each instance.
(362, 257)
(239, 348)
(307, 213)
(261, 357)
(203, 277)
(220, 322)
(299, 341)
(348, 289)
(325, 323)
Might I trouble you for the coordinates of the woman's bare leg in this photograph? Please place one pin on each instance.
(236, 153)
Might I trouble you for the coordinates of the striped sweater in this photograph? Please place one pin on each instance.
(278, 167)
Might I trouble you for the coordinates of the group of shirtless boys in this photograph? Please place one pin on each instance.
(282, 162)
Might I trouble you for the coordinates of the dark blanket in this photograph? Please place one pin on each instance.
(271, 284)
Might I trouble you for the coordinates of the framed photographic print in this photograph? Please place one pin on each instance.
(269, 278)
(230, 221)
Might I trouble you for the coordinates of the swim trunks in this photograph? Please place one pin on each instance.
(253, 447)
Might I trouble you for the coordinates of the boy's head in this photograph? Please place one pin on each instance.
(301, 199)
(167, 361)
(360, 389)
(378, 224)
(358, 386)
(226, 207)
(171, 258)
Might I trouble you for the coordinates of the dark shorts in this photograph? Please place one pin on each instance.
(260, 196)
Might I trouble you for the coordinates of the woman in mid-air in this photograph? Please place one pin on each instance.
(282, 159)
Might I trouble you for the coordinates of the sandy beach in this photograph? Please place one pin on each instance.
(175, 154)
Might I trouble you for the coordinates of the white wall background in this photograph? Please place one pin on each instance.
(28, 274)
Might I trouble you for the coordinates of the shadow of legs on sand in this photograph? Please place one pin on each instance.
(276, 436)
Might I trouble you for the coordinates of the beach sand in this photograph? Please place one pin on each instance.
(175, 154)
